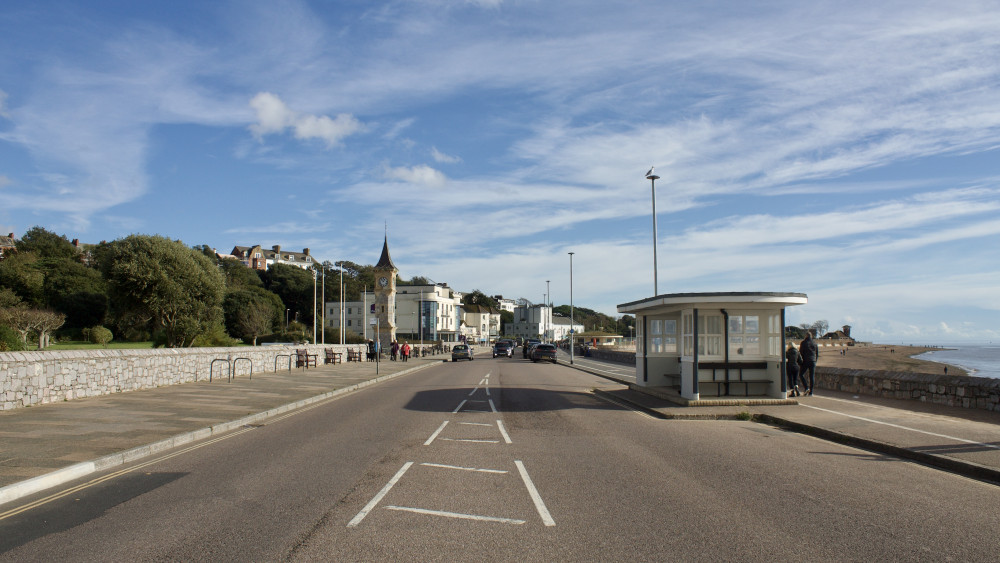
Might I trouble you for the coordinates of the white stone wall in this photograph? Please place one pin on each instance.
(35, 378)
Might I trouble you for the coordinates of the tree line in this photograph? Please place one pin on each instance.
(151, 288)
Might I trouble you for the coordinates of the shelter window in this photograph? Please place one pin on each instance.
(744, 335)
(662, 336)
(709, 335)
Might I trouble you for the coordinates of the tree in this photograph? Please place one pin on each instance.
(238, 275)
(163, 284)
(100, 335)
(820, 327)
(479, 298)
(252, 312)
(295, 288)
(76, 290)
(20, 273)
(46, 244)
(45, 322)
(18, 319)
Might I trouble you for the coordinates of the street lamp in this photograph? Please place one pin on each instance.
(652, 180)
(286, 319)
(341, 315)
(571, 308)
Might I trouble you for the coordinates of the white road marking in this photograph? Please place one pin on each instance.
(475, 424)
(535, 497)
(378, 498)
(492, 406)
(503, 431)
(963, 440)
(470, 440)
(464, 468)
(457, 515)
(436, 432)
(459, 407)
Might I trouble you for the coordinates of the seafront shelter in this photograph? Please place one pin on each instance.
(713, 345)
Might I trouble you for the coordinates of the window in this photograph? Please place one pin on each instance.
(744, 335)
(709, 335)
(662, 336)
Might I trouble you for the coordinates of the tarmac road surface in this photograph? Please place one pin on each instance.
(506, 460)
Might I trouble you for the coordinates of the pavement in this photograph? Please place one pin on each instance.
(49, 445)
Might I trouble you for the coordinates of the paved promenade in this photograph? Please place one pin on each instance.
(48, 445)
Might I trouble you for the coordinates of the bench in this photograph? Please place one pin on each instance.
(333, 357)
(738, 367)
(353, 355)
(304, 359)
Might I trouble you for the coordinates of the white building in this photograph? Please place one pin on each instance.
(429, 312)
(505, 304)
(531, 321)
(561, 327)
(482, 324)
(357, 316)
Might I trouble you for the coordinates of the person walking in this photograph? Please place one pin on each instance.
(406, 350)
(394, 351)
(810, 355)
(792, 359)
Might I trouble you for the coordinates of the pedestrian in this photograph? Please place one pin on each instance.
(371, 350)
(792, 359)
(809, 352)
(394, 350)
(406, 350)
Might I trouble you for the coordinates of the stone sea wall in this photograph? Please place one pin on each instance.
(35, 378)
(955, 391)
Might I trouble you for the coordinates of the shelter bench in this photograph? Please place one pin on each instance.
(353, 355)
(738, 367)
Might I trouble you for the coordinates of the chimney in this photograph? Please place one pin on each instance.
(11, 235)
(305, 251)
(276, 248)
(76, 242)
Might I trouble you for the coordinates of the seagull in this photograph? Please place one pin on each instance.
(650, 173)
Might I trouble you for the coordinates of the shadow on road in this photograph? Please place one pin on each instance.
(507, 399)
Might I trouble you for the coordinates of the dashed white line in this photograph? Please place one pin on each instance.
(503, 431)
(436, 432)
(471, 440)
(378, 498)
(535, 497)
(457, 515)
(459, 407)
(477, 469)
(963, 440)
(475, 424)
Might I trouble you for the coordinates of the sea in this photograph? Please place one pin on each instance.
(978, 360)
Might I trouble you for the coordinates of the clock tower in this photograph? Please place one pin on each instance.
(385, 297)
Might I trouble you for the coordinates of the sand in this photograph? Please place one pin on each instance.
(884, 357)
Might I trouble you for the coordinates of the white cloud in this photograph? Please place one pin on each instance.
(422, 175)
(444, 158)
(274, 116)
(3, 104)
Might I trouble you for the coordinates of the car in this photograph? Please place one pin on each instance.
(502, 349)
(461, 352)
(527, 346)
(543, 352)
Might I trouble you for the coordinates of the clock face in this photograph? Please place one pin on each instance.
(384, 282)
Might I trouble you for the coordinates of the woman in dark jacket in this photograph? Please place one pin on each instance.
(792, 360)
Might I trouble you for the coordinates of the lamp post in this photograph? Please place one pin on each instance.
(323, 304)
(652, 181)
(314, 306)
(286, 319)
(341, 312)
(571, 308)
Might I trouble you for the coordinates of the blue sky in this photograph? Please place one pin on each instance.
(846, 150)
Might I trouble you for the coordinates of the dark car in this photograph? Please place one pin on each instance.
(527, 346)
(461, 352)
(502, 349)
(543, 352)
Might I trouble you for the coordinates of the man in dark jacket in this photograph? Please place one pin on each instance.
(792, 360)
(810, 355)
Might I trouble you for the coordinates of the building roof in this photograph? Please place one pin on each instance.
(673, 301)
(385, 261)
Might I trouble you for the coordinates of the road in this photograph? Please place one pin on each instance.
(505, 460)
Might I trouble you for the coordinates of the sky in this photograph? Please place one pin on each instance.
(846, 150)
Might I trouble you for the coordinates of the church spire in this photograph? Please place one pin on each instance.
(385, 261)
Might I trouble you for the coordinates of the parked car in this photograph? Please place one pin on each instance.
(527, 346)
(461, 352)
(543, 352)
(502, 349)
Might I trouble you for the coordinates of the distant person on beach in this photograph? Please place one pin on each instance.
(792, 359)
(810, 355)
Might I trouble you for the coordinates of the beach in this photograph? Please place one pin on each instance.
(884, 358)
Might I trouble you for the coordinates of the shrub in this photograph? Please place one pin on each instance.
(100, 335)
